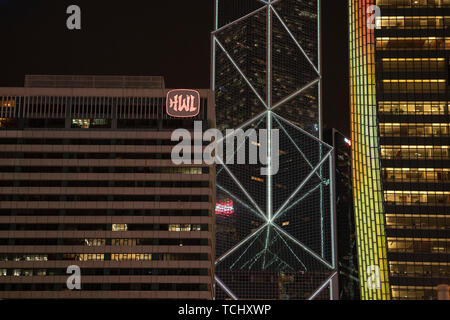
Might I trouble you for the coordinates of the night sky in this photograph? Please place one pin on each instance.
(167, 37)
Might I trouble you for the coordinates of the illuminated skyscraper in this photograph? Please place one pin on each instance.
(277, 240)
(400, 130)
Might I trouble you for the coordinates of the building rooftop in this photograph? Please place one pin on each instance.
(77, 81)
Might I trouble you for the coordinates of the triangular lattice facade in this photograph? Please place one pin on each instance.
(277, 242)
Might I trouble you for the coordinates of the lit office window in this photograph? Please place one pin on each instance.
(184, 227)
(90, 257)
(413, 245)
(120, 227)
(413, 3)
(95, 242)
(417, 198)
(410, 85)
(413, 293)
(414, 129)
(420, 269)
(434, 175)
(410, 22)
(417, 221)
(412, 108)
(415, 152)
(81, 123)
(123, 242)
(413, 43)
(131, 257)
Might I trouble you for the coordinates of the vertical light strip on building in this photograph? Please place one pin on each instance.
(368, 199)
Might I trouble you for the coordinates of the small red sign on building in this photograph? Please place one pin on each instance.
(183, 103)
(225, 208)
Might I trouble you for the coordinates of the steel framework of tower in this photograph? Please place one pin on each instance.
(277, 238)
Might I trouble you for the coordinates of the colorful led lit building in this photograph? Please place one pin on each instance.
(279, 241)
(399, 70)
(86, 179)
(349, 285)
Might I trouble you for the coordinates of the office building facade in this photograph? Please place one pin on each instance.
(400, 131)
(277, 240)
(87, 180)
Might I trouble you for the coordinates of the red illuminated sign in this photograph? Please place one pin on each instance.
(348, 141)
(225, 208)
(183, 103)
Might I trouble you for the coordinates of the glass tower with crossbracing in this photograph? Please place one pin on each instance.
(275, 232)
